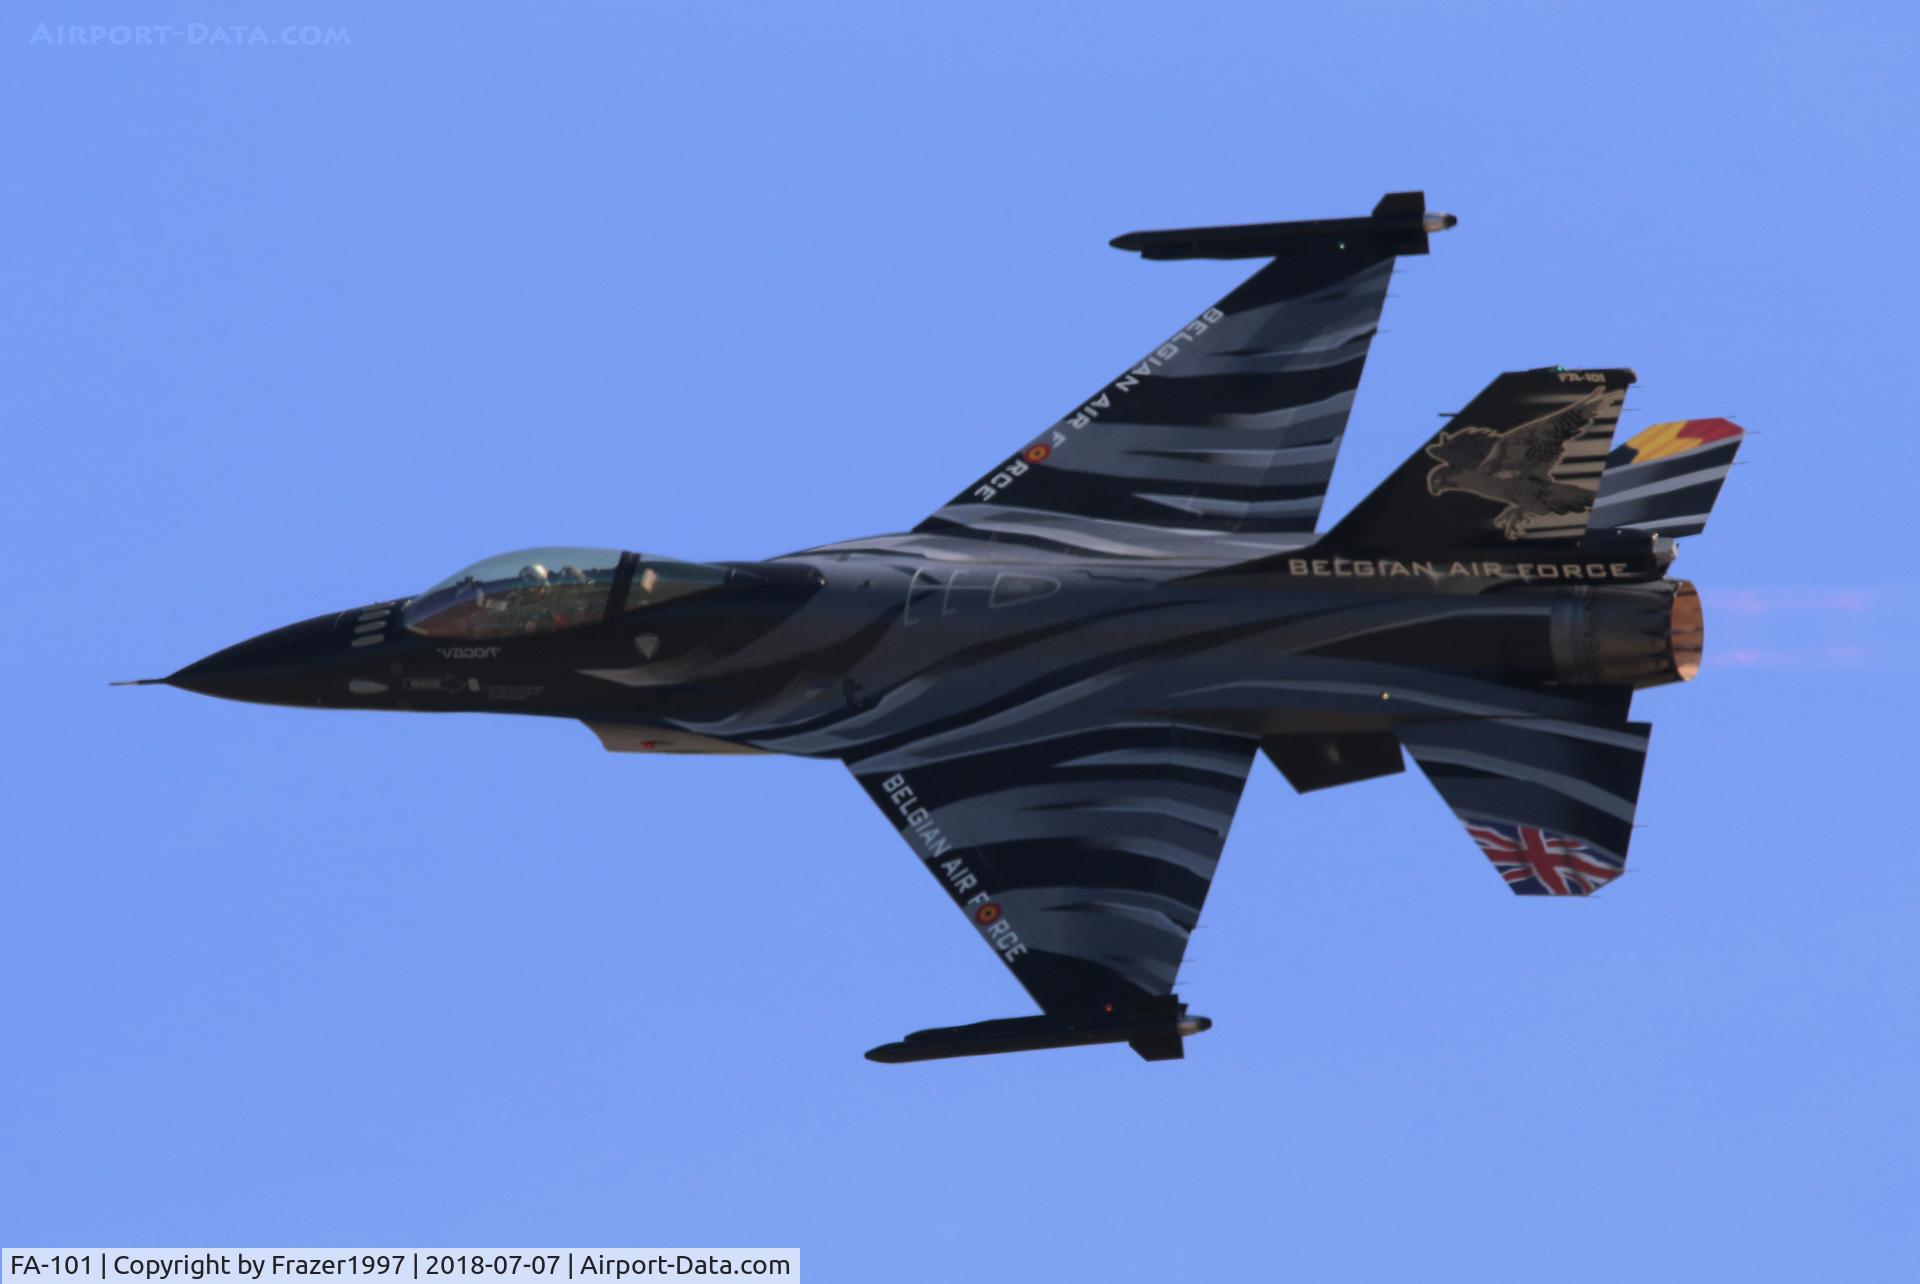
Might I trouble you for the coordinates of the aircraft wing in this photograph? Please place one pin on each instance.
(1229, 427)
(1081, 858)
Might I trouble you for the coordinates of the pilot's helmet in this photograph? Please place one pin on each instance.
(572, 575)
(533, 575)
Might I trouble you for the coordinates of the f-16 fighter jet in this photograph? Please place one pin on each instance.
(1054, 687)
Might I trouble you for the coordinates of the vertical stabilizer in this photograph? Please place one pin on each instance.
(1521, 463)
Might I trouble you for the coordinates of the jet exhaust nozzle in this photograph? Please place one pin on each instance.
(1645, 636)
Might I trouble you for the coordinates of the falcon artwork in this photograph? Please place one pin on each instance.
(1055, 685)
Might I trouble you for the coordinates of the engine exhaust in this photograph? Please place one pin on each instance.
(1644, 636)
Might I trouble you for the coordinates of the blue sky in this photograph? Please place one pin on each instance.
(294, 328)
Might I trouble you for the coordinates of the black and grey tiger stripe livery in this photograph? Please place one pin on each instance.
(1064, 746)
(1665, 479)
(1231, 427)
(1054, 687)
(1082, 856)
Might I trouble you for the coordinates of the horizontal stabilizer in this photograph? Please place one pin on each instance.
(1664, 480)
(1399, 224)
(1550, 803)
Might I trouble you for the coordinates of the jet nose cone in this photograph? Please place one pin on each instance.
(281, 667)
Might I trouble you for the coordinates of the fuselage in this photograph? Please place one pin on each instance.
(835, 654)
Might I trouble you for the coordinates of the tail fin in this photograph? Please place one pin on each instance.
(1521, 462)
(1666, 479)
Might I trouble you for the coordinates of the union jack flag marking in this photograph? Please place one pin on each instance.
(1540, 861)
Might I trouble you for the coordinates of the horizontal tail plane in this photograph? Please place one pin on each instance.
(1550, 803)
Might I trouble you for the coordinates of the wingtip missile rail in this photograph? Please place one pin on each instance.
(1154, 1030)
(1401, 221)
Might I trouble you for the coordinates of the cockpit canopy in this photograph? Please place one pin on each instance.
(545, 590)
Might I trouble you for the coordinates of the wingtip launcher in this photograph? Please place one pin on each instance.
(1400, 224)
(1156, 1029)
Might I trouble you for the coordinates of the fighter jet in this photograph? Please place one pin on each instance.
(1055, 685)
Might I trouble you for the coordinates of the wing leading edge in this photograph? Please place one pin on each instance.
(1082, 858)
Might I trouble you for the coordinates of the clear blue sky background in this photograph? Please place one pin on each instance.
(290, 329)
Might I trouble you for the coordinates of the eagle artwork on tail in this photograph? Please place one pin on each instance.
(1516, 467)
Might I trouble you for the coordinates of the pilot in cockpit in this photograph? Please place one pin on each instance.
(550, 589)
(530, 606)
(567, 598)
